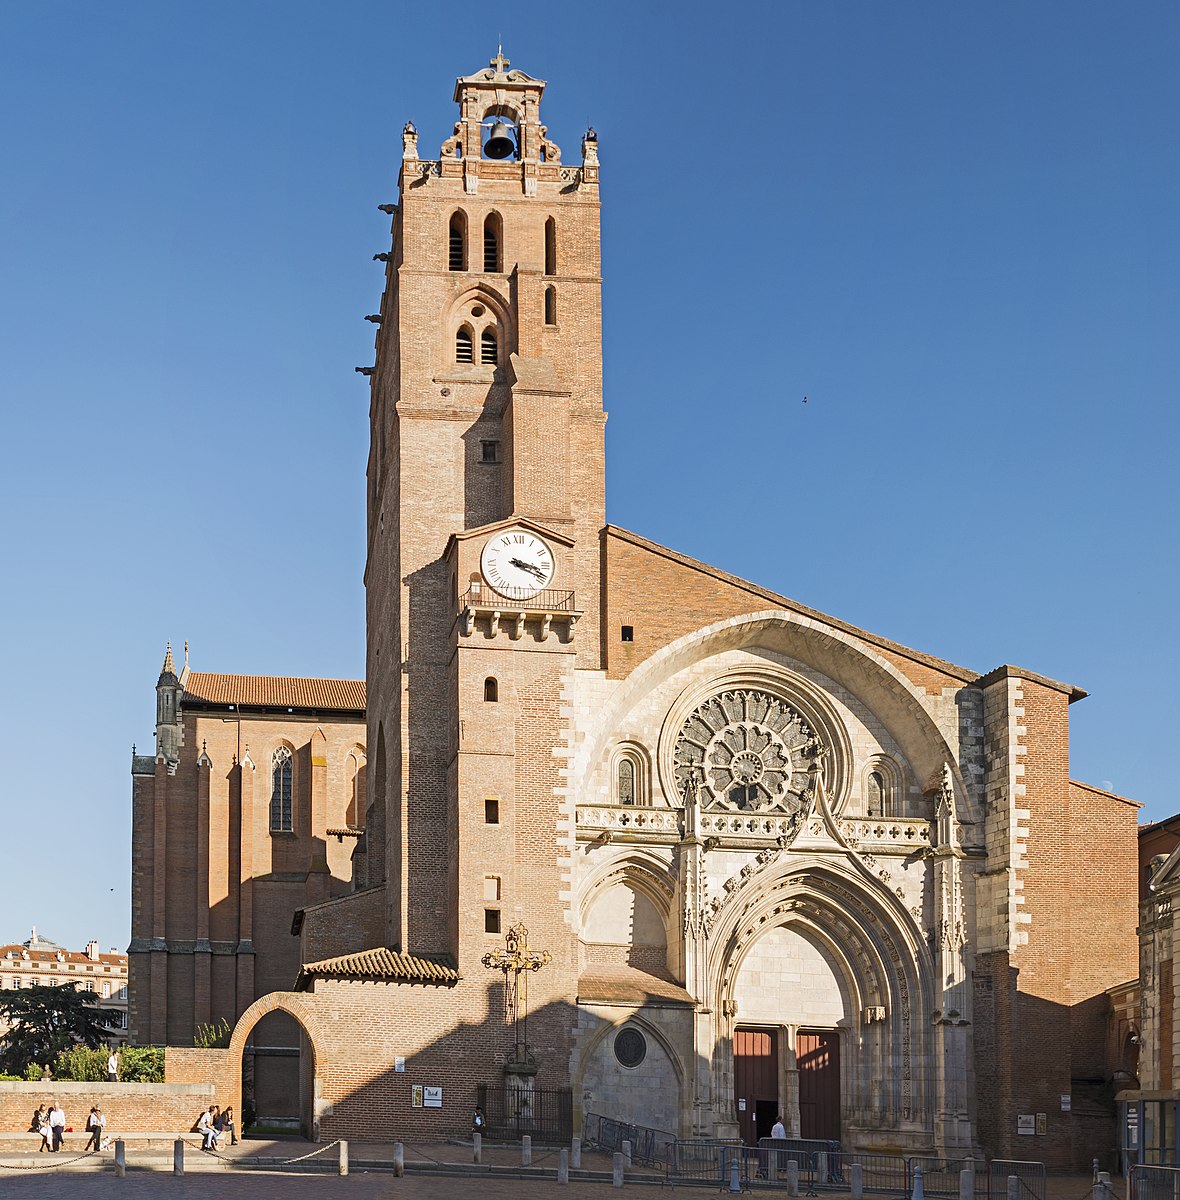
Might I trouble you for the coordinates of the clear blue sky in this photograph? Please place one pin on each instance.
(952, 226)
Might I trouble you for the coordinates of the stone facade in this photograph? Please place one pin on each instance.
(775, 863)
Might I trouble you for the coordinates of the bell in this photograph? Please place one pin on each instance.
(499, 143)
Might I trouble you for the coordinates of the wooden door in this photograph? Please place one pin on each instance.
(818, 1058)
(755, 1081)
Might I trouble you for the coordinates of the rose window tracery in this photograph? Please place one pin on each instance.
(747, 750)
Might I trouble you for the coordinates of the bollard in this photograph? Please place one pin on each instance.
(772, 1166)
(399, 1160)
(1013, 1187)
(792, 1178)
(342, 1166)
(627, 1152)
(120, 1159)
(476, 1147)
(858, 1182)
(1094, 1171)
(821, 1168)
(526, 1151)
(178, 1157)
(563, 1167)
(735, 1174)
(617, 1171)
(918, 1193)
(576, 1153)
(1102, 1188)
(966, 1184)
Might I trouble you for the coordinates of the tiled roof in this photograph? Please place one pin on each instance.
(628, 985)
(21, 953)
(270, 691)
(380, 963)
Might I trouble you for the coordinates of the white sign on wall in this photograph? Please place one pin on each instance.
(432, 1097)
(1026, 1125)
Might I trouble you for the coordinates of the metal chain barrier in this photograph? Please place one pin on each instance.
(49, 1166)
(238, 1160)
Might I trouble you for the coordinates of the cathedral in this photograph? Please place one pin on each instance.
(605, 821)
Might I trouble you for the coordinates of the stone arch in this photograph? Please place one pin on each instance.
(645, 872)
(650, 941)
(497, 313)
(300, 1007)
(886, 973)
(596, 1044)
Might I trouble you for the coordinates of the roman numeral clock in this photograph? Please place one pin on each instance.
(517, 564)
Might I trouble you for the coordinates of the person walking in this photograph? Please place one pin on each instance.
(57, 1125)
(96, 1123)
(113, 1066)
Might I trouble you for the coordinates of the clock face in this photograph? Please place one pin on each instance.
(517, 564)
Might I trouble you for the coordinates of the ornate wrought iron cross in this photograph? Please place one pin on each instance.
(517, 961)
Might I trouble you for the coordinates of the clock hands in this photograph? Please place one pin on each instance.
(531, 568)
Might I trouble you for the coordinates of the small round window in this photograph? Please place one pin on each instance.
(630, 1047)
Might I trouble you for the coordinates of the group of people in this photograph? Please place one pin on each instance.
(214, 1124)
(49, 1124)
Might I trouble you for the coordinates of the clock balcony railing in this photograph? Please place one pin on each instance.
(545, 607)
(547, 600)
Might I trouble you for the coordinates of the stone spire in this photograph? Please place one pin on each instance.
(169, 667)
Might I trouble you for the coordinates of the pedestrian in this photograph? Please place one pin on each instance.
(40, 1126)
(779, 1132)
(477, 1121)
(113, 1066)
(224, 1123)
(57, 1125)
(96, 1123)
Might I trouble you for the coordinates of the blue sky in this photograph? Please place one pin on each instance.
(951, 226)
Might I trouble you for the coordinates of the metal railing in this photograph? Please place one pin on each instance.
(940, 1176)
(1033, 1182)
(647, 1145)
(1155, 1183)
(510, 1112)
(516, 599)
(697, 1160)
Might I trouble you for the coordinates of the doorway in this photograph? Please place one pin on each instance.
(817, 1055)
(755, 1082)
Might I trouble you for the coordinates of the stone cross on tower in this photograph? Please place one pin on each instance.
(516, 960)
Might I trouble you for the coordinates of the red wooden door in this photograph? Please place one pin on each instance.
(755, 1079)
(818, 1058)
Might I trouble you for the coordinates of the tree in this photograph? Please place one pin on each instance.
(44, 1021)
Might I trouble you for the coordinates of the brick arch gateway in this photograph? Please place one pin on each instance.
(299, 1007)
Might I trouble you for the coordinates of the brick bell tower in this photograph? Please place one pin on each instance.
(485, 509)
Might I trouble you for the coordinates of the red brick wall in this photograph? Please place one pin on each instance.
(129, 1107)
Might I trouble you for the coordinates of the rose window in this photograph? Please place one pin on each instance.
(747, 750)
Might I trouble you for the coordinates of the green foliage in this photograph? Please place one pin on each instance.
(214, 1036)
(141, 1064)
(32, 1072)
(81, 1064)
(43, 1021)
(11, 1078)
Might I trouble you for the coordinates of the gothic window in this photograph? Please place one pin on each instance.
(551, 247)
(626, 783)
(875, 798)
(631, 776)
(491, 690)
(355, 814)
(281, 816)
(489, 350)
(464, 351)
(551, 305)
(491, 244)
(883, 790)
(458, 237)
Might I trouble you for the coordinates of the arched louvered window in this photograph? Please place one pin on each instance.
(491, 690)
(281, 815)
(489, 351)
(551, 305)
(491, 243)
(550, 247)
(464, 350)
(458, 240)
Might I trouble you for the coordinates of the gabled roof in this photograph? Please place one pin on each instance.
(273, 691)
(381, 963)
(618, 984)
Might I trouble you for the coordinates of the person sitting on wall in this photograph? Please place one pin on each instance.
(206, 1130)
(41, 1127)
(223, 1123)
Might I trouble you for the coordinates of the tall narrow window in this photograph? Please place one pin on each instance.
(491, 243)
(551, 305)
(458, 255)
(491, 690)
(876, 796)
(488, 349)
(626, 781)
(464, 352)
(551, 247)
(281, 817)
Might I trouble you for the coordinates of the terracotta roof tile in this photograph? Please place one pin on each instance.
(628, 985)
(270, 691)
(380, 963)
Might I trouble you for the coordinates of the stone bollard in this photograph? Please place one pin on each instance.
(526, 1151)
(178, 1157)
(1102, 1188)
(476, 1147)
(918, 1192)
(1013, 1187)
(120, 1159)
(966, 1184)
(617, 1171)
(735, 1174)
(821, 1168)
(576, 1153)
(563, 1167)
(399, 1160)
(627, 1151)
(792, 1178)
(858, 1182)
(342, 1165)
(1094, 1171)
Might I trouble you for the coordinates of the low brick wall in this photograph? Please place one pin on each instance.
(129, 1107)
